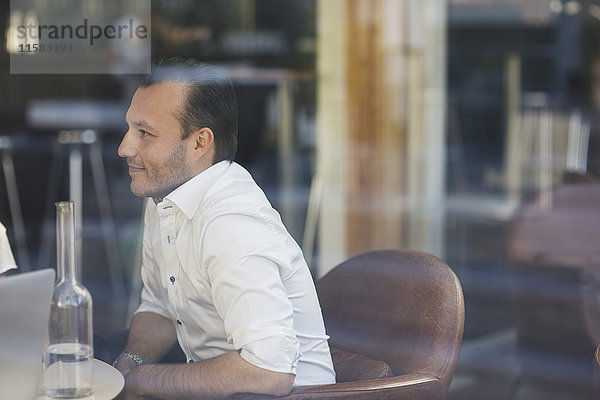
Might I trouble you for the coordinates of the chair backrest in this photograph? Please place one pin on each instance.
(402, 307)
(553, 257)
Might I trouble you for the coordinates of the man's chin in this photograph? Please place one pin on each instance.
(139, 192)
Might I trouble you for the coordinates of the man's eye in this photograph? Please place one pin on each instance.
(144, 133)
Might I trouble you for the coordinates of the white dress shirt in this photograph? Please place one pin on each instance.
(219, 263)
(7, 261)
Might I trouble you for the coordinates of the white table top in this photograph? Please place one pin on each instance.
(108, 383)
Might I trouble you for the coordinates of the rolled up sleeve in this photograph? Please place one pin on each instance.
(245, 270)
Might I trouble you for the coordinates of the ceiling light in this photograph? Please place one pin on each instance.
(572, 8)
(556, 6)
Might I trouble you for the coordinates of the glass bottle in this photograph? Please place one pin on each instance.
(68, 371)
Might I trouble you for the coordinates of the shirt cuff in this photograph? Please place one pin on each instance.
(277, 354)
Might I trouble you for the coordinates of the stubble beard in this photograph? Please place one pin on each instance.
(164, 179)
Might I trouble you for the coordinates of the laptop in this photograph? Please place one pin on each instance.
(24, 312)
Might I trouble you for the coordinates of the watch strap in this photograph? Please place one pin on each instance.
(137, 359)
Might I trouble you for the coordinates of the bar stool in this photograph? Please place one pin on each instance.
(78, 123)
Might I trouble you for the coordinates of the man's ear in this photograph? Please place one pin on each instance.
(203, 141)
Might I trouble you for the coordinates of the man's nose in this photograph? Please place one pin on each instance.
(126, 149)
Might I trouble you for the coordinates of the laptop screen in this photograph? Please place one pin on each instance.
(24, 312)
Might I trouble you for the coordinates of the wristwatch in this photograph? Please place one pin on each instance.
(136, 359)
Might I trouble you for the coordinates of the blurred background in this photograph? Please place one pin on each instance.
(465, 128)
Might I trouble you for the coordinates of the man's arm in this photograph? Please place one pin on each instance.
(213, 378)
(151, 336)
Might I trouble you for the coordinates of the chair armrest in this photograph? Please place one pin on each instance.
(352, 367)
(403, 387)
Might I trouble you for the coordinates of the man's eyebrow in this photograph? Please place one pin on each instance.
(142, 124)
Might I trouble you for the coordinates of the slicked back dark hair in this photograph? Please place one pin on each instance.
(210, 100)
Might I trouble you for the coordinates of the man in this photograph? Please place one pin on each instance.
(221, 274)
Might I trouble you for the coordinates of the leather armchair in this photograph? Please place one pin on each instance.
(396, 316)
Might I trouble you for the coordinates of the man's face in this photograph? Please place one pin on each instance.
(156, 155)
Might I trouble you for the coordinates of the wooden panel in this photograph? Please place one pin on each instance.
(381, 141)
(332, 133)
(375, 133)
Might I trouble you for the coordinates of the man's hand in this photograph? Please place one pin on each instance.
(151, 336)
(132, 388)
(125, 365)
(128, 394)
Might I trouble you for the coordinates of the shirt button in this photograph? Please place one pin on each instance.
(190, 362)
(172, 279)
(179, 322)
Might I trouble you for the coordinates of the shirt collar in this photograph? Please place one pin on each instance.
(188, 196)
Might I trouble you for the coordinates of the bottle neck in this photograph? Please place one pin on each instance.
(65, 241)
